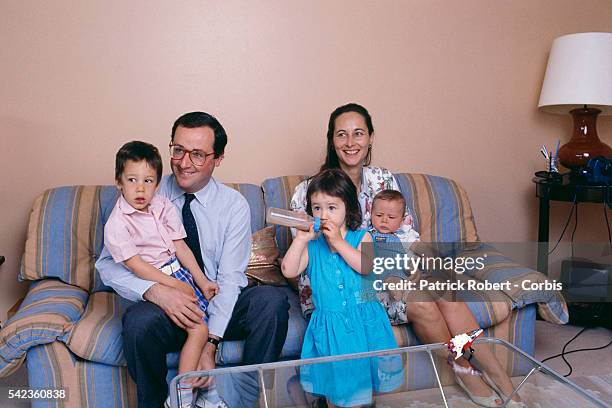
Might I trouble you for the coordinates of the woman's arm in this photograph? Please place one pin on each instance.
(296, 258)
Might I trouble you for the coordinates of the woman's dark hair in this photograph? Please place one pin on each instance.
(336, 183)
(331, 158)
(138, 151)
(193, 120)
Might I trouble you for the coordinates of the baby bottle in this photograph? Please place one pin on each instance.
(288, 218)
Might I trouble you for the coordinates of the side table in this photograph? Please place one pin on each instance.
(566, 188)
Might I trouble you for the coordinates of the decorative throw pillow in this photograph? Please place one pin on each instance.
(264, 268)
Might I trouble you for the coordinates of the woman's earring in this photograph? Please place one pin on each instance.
(368, 158)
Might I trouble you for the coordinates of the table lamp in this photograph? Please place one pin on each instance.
(578, 81)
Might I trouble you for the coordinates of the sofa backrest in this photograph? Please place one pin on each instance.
(66, 234)
(440, 206)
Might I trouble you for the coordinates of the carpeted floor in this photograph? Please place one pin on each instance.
(550, 339)
(541, 392)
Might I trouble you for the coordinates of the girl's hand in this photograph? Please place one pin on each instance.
(331, 232)
(306, 235)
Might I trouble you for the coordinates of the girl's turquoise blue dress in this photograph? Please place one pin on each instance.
(347, 318)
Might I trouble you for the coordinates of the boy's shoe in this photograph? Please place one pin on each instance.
(184, 405)
(209, 399)
(185, 397)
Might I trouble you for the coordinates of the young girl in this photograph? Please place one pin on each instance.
(145, 233)
(347, 317)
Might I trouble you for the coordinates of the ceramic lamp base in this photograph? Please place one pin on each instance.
(584, 144)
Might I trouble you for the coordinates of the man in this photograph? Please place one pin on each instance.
(217, 221)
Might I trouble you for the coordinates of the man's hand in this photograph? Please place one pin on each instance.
(206, 362)
(183, 287)
(181, 308)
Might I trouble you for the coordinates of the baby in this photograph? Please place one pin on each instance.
(388, 210)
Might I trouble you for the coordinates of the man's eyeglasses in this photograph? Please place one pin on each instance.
(197, 157)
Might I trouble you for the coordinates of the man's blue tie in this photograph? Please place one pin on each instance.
(192, 240)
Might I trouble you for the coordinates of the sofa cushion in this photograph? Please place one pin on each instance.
(47, 313)
(53, 366)
(68, 221)
(264, 267)
(440, 206)
(64, 221)
(97, 335)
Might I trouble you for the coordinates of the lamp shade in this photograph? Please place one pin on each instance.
(579, 73)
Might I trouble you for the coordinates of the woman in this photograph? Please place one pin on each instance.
(349, 147)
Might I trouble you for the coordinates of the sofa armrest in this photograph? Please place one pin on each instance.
(500, 269)
(97, 335)
(47, 313)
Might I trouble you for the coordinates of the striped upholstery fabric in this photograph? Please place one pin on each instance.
(277, 194)
(108, 197)
(498, 268)
(63, 231)
(53, 366)
(47, 313)
(97, 335)
(440, 207)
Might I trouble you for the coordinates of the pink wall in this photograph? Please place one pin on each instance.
(452, 87)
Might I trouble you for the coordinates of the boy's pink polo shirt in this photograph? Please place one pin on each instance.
(130, 232)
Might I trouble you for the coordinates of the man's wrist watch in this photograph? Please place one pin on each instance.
(214, 342)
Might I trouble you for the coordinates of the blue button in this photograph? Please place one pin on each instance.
(341, 286)
(344, 303)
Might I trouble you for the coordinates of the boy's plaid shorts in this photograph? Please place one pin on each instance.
(185, 276)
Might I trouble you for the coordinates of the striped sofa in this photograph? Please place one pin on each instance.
(68, 327)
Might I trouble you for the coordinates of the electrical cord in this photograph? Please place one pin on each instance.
(574, 231)
(564, 353)
(605, 210)
(569, 218)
